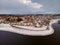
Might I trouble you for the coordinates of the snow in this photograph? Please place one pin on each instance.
(9, 28)
(31, 27)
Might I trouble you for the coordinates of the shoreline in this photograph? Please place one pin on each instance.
(9, 28)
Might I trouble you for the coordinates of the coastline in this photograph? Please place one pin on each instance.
(9, 28)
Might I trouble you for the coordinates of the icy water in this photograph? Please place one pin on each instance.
(8, 38)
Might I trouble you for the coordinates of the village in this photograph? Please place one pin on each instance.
(27, 20)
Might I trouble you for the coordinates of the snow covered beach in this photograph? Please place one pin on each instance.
(9, 28)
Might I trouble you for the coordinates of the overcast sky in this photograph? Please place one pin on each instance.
(29, 6)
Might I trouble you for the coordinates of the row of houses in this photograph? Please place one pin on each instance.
(29, 20)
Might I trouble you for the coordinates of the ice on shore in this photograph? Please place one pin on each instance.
(9, 28)
(31, 27)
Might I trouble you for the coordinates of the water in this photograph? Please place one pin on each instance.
(8, 38)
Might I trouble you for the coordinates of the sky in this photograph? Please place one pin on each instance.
(29, 7)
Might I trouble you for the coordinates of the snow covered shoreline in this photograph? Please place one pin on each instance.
(9, 28)
(31, 27)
